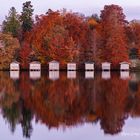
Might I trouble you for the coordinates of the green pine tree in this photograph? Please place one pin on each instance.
(11, 24)
(26, 16)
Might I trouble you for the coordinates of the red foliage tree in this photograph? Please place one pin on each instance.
(113, 38)
(77, 28)
(51, 40)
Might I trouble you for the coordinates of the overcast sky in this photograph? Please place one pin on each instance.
(87, 7)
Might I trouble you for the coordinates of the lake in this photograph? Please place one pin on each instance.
(73, 105)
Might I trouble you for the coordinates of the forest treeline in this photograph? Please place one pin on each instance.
(67, 36)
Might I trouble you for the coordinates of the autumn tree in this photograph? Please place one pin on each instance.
(12, 23)
(64, 36)
(8, 47)
(51, 40)
(113, 38)
(91, 38)
(77, 27)
(26, 52)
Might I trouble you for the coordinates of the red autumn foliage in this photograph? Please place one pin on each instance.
(67, 36)
(51, 40)
(113, 46)
(70, 102)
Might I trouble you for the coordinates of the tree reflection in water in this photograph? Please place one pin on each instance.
(67, 102)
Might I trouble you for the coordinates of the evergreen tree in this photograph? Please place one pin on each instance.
(11, 24)
(26, 16)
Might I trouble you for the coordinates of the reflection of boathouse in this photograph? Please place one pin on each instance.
(106, 75)
(89, 74)
(34, 75)
(14, 75)
(53, 75)
(124, 75)
(71, 74)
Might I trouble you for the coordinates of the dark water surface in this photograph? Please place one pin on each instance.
(69, 106)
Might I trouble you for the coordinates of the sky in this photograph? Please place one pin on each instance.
(87, 7)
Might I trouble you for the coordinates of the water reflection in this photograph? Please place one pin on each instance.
(124, 75)
(57, 101)
(14, 75)
(106, 75)
(54, 75)
(89, 74)
(71, 74)
(34, 75)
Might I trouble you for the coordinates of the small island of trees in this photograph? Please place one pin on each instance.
(67, 36)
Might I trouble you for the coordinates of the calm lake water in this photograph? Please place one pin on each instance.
(69, 106)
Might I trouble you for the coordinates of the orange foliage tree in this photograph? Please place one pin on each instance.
(113, 46)
(77, 28)
(51, 40)
(26, 53)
